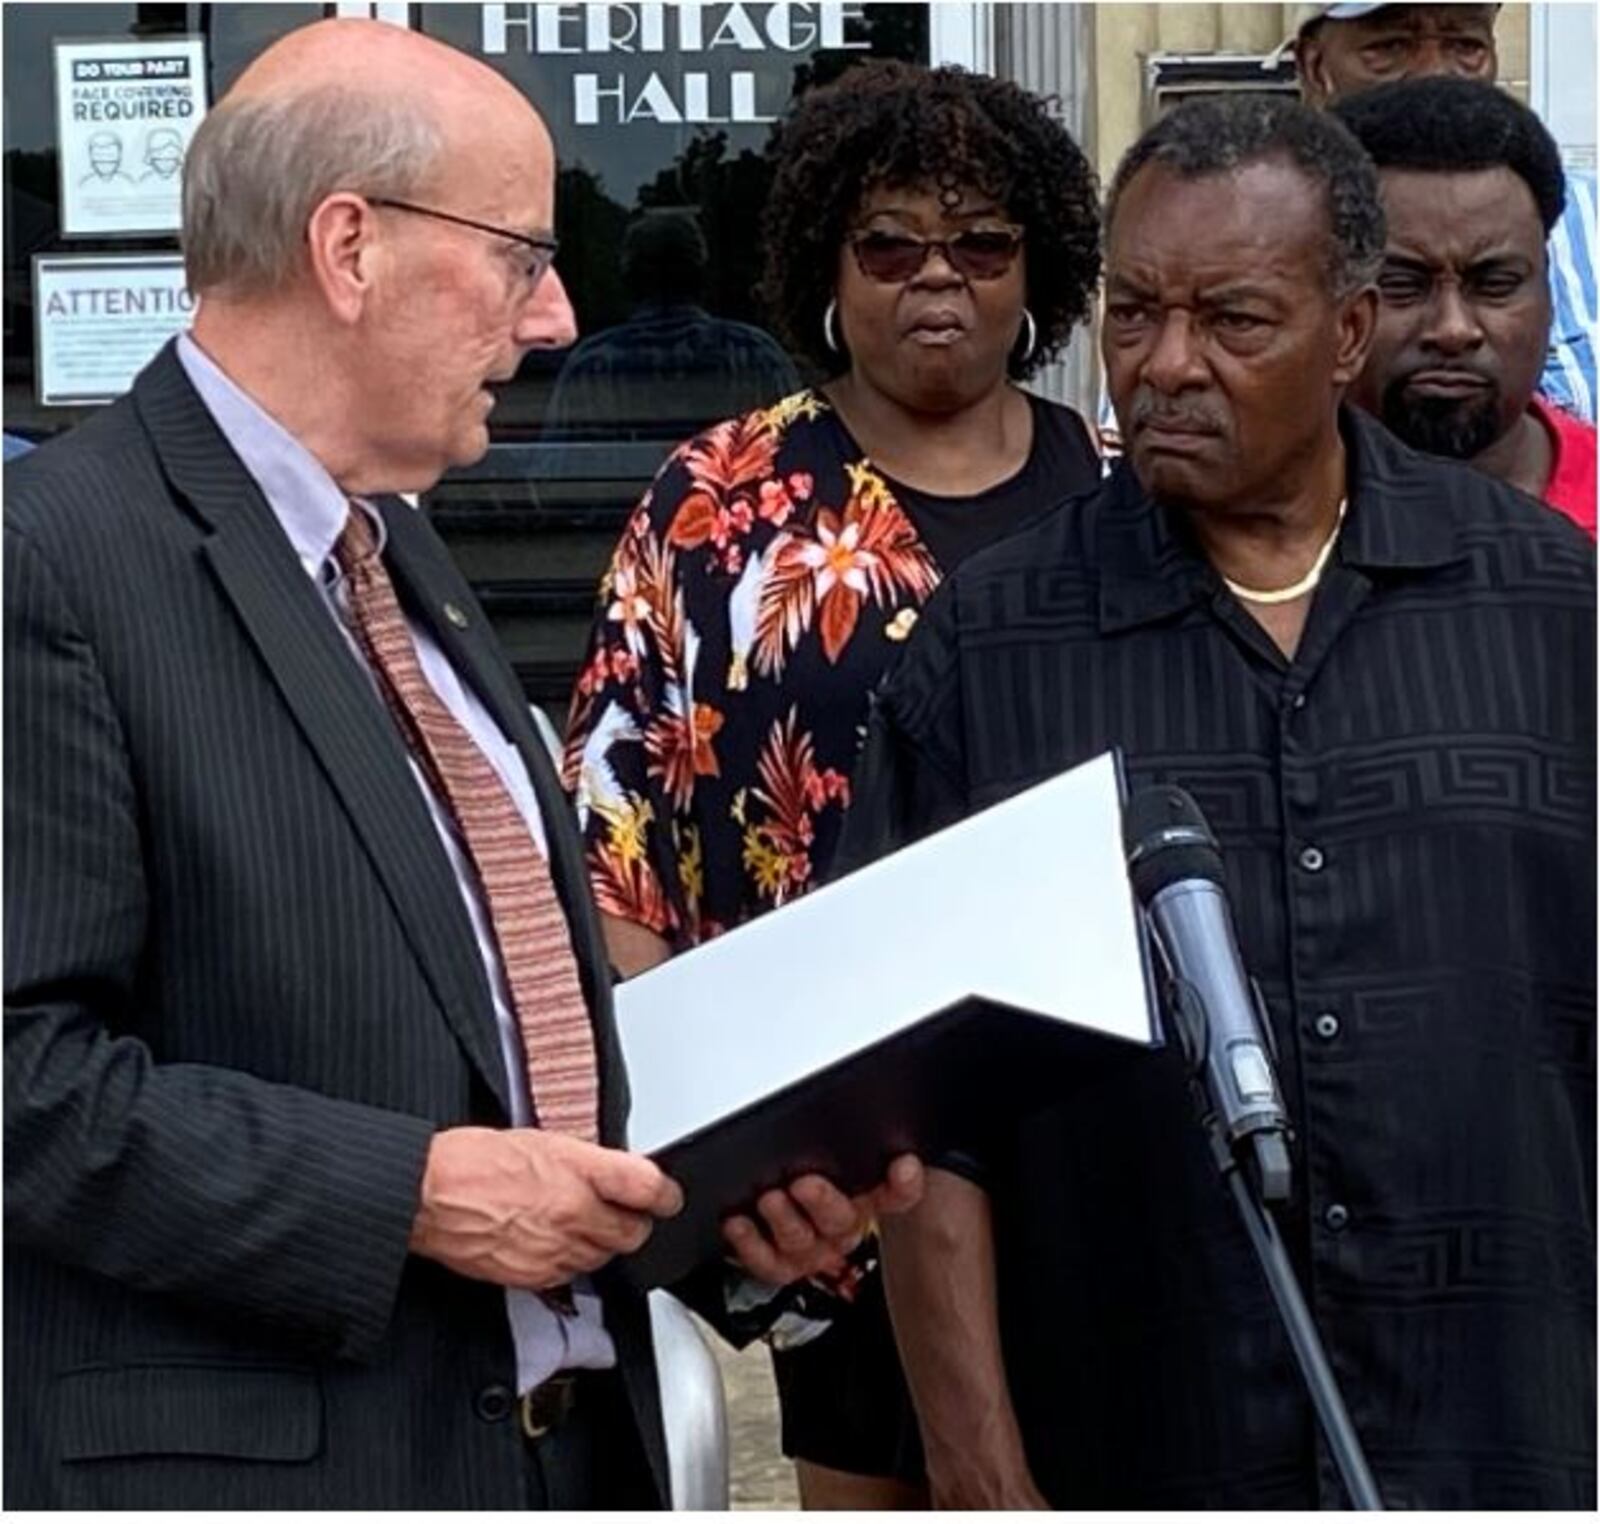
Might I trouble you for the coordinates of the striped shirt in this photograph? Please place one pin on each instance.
(1569, 374)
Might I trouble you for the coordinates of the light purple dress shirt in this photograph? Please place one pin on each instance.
(311, 509)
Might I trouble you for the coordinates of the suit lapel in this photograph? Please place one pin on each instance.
(332, 702)
(431, 587)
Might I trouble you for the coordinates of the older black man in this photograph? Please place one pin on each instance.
(1375, 671)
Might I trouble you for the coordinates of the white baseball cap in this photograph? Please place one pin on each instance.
(1302, 18)
(1306, 15)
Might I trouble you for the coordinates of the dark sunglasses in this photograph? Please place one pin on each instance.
(543, 250)
(978, 254)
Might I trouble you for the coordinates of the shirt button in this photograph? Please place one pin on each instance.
(1337, 1217)
(494, 1403)
(1298, 702)
(1327, 1025)
(1311, 859)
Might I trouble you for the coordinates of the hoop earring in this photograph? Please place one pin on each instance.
(1033, 338)
(829, 337)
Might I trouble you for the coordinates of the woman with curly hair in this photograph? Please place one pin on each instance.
(932, 239)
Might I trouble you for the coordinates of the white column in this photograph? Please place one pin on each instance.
(1561, 76)
(961, 33)
(396, 12)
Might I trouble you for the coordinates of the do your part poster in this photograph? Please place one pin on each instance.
(125, 112)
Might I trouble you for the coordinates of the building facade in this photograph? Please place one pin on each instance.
(660, 113)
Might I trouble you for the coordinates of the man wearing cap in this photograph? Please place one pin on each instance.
(1471, 184)
(1340, 50)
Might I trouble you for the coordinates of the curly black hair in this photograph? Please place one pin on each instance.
(1216, 134)
(1454, 125)
(902, 125)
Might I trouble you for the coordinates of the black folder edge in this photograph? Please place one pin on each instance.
(951, 1081)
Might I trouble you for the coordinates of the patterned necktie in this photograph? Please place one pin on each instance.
(529, 927)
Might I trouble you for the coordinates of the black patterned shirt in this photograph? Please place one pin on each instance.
(1406, 811)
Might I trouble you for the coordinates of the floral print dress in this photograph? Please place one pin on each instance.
(758, 592)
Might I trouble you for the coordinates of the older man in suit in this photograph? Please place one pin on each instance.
(313, 1094)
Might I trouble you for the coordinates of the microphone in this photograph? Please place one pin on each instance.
(1222, 1026)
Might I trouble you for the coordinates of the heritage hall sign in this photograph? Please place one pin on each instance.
(688, 64)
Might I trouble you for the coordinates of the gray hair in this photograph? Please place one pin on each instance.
(259, 166)
(1216, 135)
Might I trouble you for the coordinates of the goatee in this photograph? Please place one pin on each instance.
(1457, 427)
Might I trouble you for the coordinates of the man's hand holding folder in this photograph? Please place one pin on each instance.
(521, 1207)
(811, 1226)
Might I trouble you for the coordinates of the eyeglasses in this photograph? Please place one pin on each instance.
(544, 249)
(977, 254)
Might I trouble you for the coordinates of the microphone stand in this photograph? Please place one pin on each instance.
(1261, 1178)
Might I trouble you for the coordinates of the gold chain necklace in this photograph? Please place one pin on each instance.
(1305, 584)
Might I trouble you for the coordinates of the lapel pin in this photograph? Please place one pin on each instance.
(454, 614)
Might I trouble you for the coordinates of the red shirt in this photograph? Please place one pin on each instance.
(1571, 488)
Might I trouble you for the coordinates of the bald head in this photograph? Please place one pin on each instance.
(348, 52)
(340, 105)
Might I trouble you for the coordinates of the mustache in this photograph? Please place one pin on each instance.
(1149, 407)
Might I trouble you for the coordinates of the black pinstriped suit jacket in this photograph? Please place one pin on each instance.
(241, 993)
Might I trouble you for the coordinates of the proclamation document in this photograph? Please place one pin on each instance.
(916, 1004)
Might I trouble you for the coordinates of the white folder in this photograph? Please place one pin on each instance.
(959, 981)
